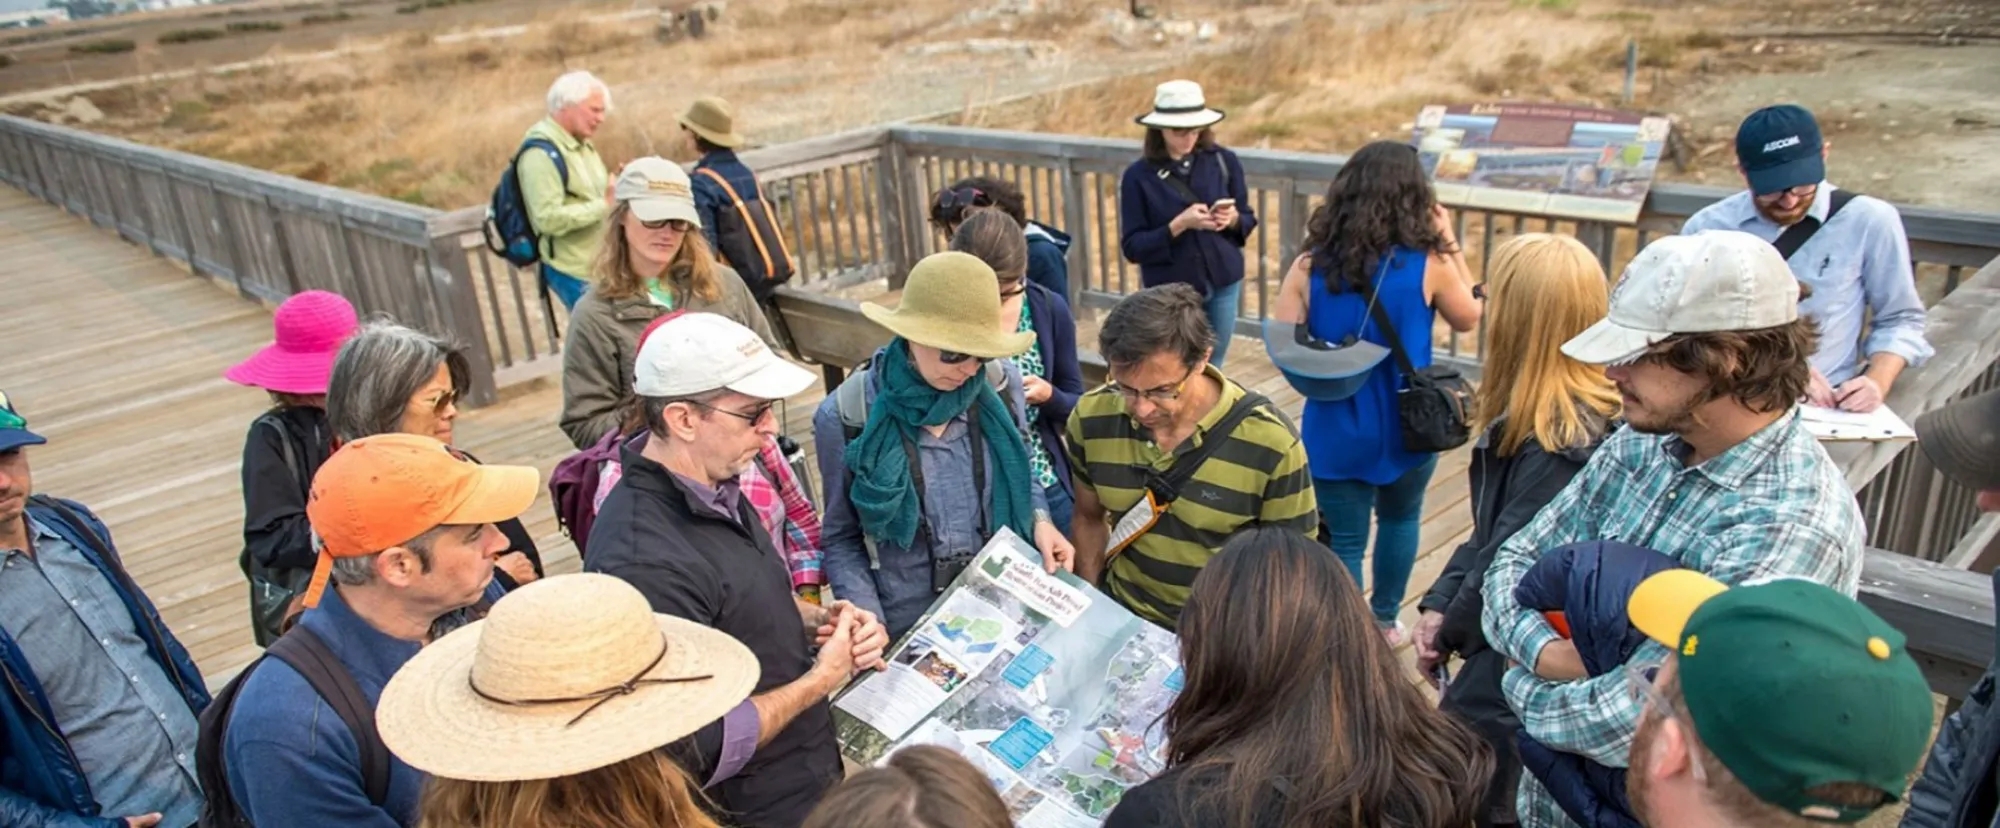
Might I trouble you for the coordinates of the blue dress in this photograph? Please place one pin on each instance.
(1360, 438)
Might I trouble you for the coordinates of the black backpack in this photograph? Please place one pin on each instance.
(272, 591)
(509, 233)
(747, 239)
(306, 653)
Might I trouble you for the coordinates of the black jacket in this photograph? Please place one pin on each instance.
(1960, 786)
(276, 534)
(695, 563)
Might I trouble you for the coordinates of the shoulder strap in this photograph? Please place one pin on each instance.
(1168, 486)
(1798, 234)
(219, 810)
(98, 543)
(1381, 317)
(306, 653)
(749, 222)
(555, 155)
(851, 401)
(717, 177)
(291, 453)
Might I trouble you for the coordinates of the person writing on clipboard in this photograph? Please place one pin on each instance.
(1184, 209)
(1849, 250)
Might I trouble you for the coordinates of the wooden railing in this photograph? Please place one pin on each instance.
(267, 235)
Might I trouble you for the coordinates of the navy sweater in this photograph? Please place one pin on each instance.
(1203, 258)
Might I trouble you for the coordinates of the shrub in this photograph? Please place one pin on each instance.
(111, 46)
(334, 17)
(191, 36)
(6, 61)
(244, 26)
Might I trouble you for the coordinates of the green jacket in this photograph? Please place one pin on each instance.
(569, 221)
(603, 340)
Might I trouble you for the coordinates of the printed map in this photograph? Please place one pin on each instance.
(1047, 685)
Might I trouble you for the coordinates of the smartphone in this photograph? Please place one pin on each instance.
(1221, 203)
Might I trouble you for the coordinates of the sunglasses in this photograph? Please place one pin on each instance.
(955, 358)
(679, 225)
(444, 401)
(962, 197)
(1801, 191)
(753, 416)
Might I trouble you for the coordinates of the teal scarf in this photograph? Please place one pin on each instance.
(884, 493)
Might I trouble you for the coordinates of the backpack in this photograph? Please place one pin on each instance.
(306, 653)
(273, 593)
(509, 233)
(749, 242)
(573, 488)
(851, 398)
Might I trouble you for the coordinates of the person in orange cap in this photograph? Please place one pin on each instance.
(405, 535)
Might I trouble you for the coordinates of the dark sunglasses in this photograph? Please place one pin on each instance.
(954, 357)
(753, 416)
(961, 198)
(679, 225)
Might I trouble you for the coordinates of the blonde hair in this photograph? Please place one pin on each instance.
(1542, 290)
(692, 272)
(643, 791)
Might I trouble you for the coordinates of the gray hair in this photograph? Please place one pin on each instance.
(377, 372)
(573, 88)
(360, 570)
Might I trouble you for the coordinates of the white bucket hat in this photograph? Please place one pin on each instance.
(1178, 104)
(1715, 280)
(565, 675)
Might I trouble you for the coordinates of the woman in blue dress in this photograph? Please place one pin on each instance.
(1380, 236)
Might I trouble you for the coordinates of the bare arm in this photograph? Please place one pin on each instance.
(1291, 304)
(1091, 535)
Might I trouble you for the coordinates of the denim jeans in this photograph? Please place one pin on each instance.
(1399, 514)
(1221, 307)
(567, 288)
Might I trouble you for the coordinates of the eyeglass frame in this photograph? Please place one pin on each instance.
(1157, 395)
(768, 409)
(1810, 190)
(1639, 683)
(684, 225)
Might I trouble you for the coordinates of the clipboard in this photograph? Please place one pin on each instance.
(1834, 425)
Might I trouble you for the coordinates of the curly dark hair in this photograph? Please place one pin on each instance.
(1381, 199)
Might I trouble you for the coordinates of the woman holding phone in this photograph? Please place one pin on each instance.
(1183, 208)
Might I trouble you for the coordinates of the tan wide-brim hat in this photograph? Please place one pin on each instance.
(713, 119)
(511, 697)
(951, 302)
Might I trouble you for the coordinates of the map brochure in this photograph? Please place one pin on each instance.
(1047, 685)
(1570, 161)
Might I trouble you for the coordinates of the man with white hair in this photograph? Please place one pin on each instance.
(564, 183)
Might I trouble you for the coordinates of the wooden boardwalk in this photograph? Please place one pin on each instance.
(117, 357)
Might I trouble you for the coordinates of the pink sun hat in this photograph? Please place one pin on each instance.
(310, 328)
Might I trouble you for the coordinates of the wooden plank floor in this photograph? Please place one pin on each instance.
(117, 357)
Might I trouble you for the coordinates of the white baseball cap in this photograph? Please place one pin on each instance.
(700, 352)
(656, 189)
(1715, 280)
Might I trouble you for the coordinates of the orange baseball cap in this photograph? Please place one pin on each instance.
(385, 490)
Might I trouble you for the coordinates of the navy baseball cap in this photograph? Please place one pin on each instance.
(1779, 148)
(14, 431)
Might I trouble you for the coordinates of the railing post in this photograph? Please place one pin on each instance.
(284, 245)
(451, 279)
(231, 240)
(1073, 221)
(889, 200)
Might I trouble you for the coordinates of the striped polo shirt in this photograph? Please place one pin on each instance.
(1259, 476)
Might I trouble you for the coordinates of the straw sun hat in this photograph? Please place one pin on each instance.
(951, 302)
(565, 675)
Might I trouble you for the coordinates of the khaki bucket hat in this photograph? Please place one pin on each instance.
(565, 675)
(951, 302)
(713, 118)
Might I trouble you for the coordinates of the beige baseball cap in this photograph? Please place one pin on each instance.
(657, 190)
(1715, 280)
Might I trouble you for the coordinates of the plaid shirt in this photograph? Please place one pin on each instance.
(781, 505)
(1772, 506)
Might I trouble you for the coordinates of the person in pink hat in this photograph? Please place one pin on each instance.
(286, 445)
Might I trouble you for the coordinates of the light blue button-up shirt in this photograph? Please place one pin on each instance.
(1858, 264)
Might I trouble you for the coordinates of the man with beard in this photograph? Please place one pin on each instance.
(1705, 342)
(1782, 705)
(1849, 250)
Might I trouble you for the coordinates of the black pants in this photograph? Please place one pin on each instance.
(1474, 697)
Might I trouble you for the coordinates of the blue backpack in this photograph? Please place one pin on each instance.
(508, 231)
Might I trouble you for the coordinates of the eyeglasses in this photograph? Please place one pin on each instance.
(444, 401)
(1801, 191)
(954, 357)
(679, 225)
(1013, 288)
(753, 416)
(1162, 394)
(1639, 683)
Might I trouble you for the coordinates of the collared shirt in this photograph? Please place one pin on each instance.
(1858, 268)
(1259, 476)
(1772, 506)
(130, 728)
(291, 760)
(723, 497)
